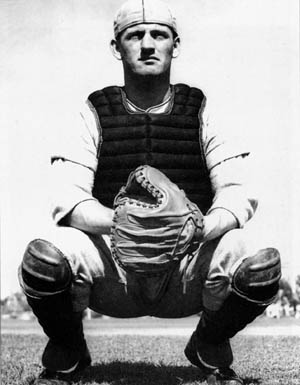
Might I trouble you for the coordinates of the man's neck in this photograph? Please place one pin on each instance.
(147, 91)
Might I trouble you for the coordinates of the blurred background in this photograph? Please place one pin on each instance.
(244, 54)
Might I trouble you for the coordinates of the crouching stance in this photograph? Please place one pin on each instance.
(148, 170)
(166, 271)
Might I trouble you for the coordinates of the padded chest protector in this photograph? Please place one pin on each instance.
(169, 142)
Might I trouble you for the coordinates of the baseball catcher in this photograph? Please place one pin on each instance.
(149, 212)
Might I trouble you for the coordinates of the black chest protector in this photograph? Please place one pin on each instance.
(170, 142)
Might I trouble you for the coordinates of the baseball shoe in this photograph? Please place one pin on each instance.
(221, 354)
(65, 359)
(61, 362)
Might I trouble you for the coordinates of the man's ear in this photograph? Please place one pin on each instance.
(114, 46)
(176, 47)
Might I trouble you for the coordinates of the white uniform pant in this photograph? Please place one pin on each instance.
(202, 280)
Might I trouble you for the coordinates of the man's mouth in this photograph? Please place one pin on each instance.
(148, 58)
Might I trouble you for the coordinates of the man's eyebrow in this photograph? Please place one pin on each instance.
(135, 31)
(158, 30)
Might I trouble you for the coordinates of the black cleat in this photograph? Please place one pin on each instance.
(65, 359)
(222, 375)
(61, 363)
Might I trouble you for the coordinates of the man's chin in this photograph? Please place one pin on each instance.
(150, 72)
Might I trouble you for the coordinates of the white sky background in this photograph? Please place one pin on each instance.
(244, 54)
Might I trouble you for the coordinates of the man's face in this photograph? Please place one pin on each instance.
(147, 49)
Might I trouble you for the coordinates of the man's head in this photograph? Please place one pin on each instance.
(146, 37)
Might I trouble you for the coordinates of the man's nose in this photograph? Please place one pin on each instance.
(147, 43)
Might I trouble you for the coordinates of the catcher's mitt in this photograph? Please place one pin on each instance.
(155, 224)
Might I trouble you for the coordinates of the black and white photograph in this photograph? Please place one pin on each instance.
(150, 192)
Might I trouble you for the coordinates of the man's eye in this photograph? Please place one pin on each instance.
(159, 35)
(135, 36)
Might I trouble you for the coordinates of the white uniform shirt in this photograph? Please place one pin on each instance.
(75, 163)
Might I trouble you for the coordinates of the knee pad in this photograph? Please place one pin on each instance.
(257, 277)
(44, 270)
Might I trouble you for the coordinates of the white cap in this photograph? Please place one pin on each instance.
(135, 12)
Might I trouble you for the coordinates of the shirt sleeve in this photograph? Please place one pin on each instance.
(227, 162)
(74, 162)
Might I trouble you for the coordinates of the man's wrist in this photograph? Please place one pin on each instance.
(92, 217)
(217, 223)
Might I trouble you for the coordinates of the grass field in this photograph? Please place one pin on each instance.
(122, 359)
